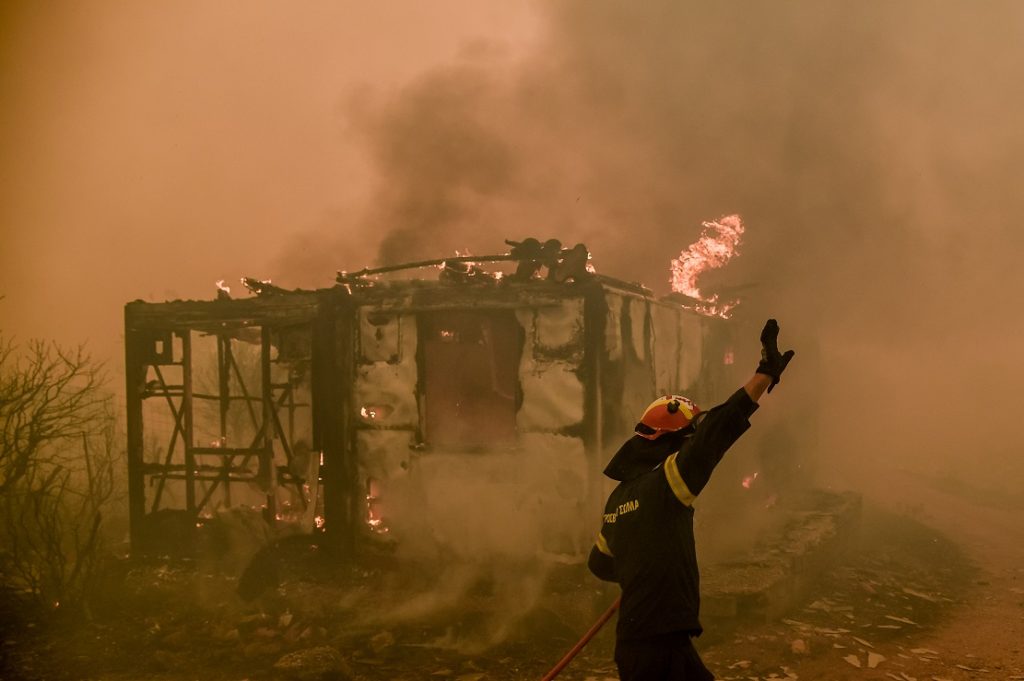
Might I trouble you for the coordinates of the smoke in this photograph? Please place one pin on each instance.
(480, 602)
(484, 529)
(873, 150)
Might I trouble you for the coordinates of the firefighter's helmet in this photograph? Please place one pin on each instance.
(667, 414)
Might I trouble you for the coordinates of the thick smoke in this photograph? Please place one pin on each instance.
(873, 150)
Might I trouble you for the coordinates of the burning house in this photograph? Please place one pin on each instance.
(421, 412)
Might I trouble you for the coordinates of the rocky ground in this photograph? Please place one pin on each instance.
(907, 602)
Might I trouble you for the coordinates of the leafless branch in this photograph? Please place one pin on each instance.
(58, 458)
(47, 395)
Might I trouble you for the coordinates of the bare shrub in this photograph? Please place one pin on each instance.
(48, 395)
(58, 472)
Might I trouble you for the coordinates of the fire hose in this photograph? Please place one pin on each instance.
(601, 621)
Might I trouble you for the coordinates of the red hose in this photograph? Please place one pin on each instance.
(583, 641)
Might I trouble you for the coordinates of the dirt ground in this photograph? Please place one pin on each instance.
(932, 591)
(951, 560)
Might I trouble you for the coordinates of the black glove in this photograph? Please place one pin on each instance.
(773, 363)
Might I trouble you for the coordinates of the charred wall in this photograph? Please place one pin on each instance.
(456, 419)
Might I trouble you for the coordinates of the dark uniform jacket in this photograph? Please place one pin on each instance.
(646, 540)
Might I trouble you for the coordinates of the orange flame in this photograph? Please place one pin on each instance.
(717, 244)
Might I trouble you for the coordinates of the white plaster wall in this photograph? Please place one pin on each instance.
(380, 342)
(691, 338)
(552, 397)
(666, 349)
(392, 384)
(556, 328)
(384, 454)
(552, 392)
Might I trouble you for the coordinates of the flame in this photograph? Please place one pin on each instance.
(374, 519)
(717, 244)
(749, 481)
(222, 287)
(458, 254)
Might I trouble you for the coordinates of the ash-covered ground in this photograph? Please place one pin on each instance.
(905, 598)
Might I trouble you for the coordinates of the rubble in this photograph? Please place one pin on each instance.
(322, 663)
(783, 566)
(381, 642)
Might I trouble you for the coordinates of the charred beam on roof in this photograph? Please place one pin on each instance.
(260, 287)
(562, 264)
(212, 315)
(352, 277)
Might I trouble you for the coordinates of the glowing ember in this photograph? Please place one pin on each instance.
(749, 481)
(373, 412)
(717, 244)
(319, 521)
(374, 519)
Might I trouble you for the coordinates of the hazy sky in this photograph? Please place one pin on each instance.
(149, 149)
(874, 150)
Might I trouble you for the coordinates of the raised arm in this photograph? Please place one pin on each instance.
(689, 470)
(756, 386)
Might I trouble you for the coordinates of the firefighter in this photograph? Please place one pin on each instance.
(646, 540)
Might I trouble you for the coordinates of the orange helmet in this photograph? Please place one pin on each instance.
(666, 414)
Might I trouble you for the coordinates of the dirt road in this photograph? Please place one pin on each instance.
(966, 623)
